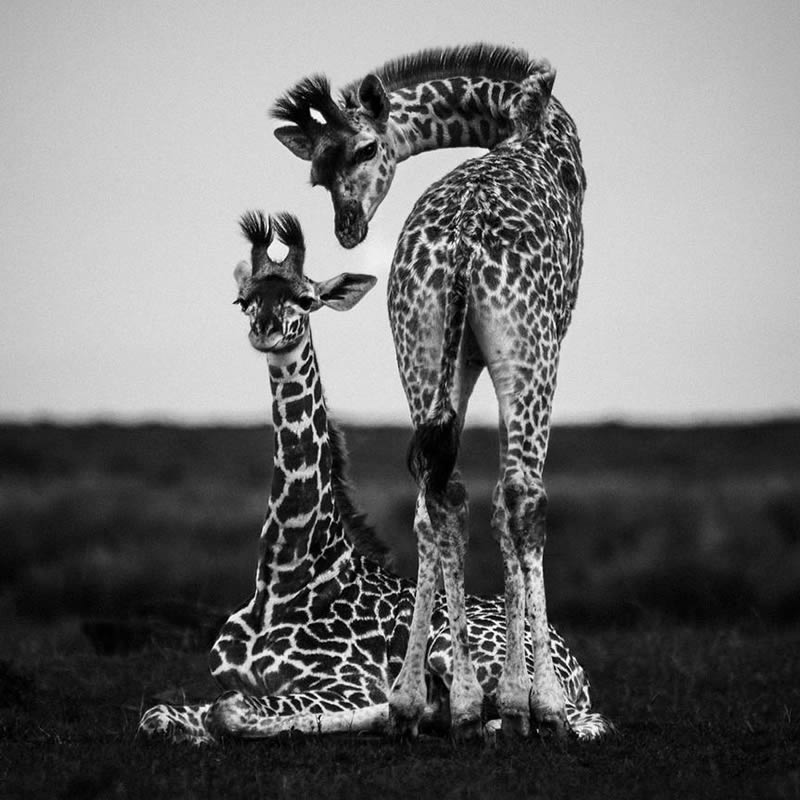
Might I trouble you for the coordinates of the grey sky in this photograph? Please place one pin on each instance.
(134, 134)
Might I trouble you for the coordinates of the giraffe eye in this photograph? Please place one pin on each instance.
(305, 302)
(366, 152)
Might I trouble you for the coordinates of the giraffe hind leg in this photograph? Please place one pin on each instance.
(514, 686)
(440, 527)
(524, 384)
(449, 516)
(407, 698)
(526, 502)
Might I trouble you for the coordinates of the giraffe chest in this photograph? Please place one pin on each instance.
(319, 640)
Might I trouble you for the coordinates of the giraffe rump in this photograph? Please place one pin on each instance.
(501, 63)
(312, 93)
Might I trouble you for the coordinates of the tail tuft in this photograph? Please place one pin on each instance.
(433, 451)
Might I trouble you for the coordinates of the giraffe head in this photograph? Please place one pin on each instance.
(275, 295)
(351, 153)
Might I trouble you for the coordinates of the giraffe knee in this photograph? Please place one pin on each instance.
(228, 714)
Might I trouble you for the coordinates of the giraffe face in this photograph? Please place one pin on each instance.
(276, 296)
(277, 310)
(357, 168)
(352, 155)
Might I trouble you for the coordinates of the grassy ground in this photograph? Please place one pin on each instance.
(701, 713)
(673, 568)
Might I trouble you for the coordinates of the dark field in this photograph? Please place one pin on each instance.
(673, 570)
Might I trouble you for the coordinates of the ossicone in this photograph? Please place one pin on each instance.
(261, 229)
(257, 227)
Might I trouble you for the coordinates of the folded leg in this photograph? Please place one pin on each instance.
(251, 717)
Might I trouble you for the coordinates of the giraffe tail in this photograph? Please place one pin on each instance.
(433, 450)
(434, 446)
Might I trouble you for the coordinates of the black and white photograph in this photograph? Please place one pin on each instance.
(400, 399)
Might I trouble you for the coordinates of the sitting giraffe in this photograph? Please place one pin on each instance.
(485, 275)
(318, 646)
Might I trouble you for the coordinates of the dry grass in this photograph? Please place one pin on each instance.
(701, 713)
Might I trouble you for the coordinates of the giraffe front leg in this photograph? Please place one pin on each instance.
(408, 695)
(312, 713)
(449, 516)
(178, 723)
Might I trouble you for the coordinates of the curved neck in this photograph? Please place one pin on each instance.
(451, 112)
(302, 540)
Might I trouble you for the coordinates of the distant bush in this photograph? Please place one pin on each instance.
(96, 520)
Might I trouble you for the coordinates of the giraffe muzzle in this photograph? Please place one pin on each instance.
(350, 225)
(264, 336)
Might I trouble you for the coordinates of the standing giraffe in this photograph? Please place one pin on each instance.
(485, 274)
(318, 646)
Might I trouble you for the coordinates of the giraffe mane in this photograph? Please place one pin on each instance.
(361, 534)
(474, 60)
(296, 104)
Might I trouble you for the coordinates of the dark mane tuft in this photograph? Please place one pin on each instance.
(503, 63)
(359, 531)
(310, 93)
(257, 227)
(287, 226)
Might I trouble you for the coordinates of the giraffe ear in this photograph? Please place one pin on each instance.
(373, 98)
(344, 291)
(292, 137)
(242, 273)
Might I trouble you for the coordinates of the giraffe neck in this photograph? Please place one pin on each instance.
(302, 543)
(451, 112)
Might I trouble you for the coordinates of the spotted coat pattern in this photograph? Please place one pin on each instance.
(485, 275)
(320, 643)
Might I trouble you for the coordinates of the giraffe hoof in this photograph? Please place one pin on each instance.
(403, 725)
(552, 725)
(406, 709)
(490, 730)
(403, 728)
(467, 730)
(516, 726)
